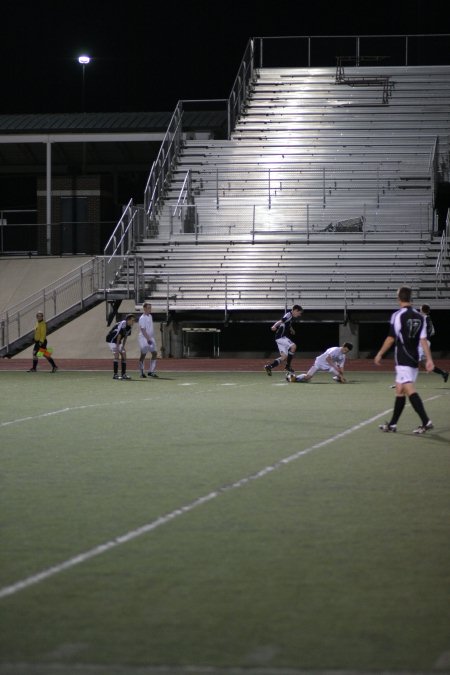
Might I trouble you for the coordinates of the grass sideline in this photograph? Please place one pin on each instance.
(337, 560)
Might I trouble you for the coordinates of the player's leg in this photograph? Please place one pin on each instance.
(153, 362)
(115, 354)
(290, 355)
(306, 377)
(283, 348)
(35, 358)
(123, 357)
(442, 373)
(417, 404)
(143, 349)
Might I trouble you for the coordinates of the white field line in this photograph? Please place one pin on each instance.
(186, 508)
(31, 418)
(167, 518)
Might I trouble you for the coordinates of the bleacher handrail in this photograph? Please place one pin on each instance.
(404, 40)
(167, 154)
(240, 86)
(122, 236)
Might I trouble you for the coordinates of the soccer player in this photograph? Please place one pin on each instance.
(146, 340)
(332, 361)
(407, 330)
(116, 339)
(40, 343)
(426, 313)
(287, 348)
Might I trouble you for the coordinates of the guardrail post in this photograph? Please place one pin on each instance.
(307, 223)
(81, 290)
(226, 296)
(285, 292)
(253, 224)
(217, 188)
(323, 187)
(378, 185)
(167, 296)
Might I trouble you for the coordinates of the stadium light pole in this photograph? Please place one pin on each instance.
(83, 60)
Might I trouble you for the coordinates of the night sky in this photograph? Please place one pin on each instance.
(147, 55)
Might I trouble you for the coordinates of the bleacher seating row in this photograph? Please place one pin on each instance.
(268, 208)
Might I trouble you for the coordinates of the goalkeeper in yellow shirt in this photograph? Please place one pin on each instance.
(40, 343)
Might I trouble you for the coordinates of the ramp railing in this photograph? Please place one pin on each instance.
(66, 298)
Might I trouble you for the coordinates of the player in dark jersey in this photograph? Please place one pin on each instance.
(283, 330)
(116, 339)
(426, 312)
(407, 331)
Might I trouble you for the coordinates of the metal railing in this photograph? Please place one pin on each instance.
(70, 295)
(303, 218)
(163, 164)
(130, 229)
(241, 85)
(321, 50)
(253, 289)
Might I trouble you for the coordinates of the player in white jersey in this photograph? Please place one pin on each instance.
(332, 361)
(146, 340)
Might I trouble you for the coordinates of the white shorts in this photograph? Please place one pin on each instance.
(113, 347)
(404, 374)
(145, 346)
(321, 365)
(284, 344)
(422, 356)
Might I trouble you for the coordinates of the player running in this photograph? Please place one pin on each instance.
(283, 329)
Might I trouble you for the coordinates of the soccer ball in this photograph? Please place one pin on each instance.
(290, 377)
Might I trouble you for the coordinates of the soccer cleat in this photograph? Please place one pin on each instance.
(289, 370)
(116, 376)
(31, 370)
(422, 429)
(142, 375)
(54, 369)
(125, 377)
(153, 375)
(268, 370)
(445, 376)
(388, 427)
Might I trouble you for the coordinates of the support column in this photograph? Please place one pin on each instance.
(48, 196)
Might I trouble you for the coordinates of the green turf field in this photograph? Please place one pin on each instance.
(211, 521)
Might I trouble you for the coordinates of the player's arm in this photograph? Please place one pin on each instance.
(335, 366)
(385, 347)
(276, 325)
(429, 365)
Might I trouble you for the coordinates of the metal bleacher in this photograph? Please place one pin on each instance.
(323, 194)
